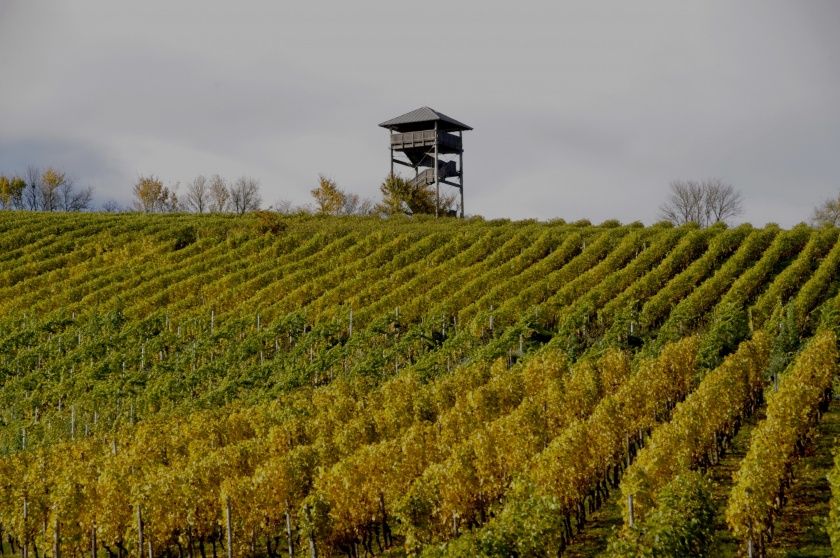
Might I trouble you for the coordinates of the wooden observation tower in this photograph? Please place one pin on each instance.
(429, 141)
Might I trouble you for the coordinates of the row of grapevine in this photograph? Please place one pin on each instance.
(701, 426)
(573, 475)
(765, 472)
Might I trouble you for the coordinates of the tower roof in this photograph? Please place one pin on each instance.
(424, 118)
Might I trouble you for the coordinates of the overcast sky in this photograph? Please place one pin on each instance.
(580, 109)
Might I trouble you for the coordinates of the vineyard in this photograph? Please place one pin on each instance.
(266, 385)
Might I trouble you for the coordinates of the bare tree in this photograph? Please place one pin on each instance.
(76, 200)
(356, 205)
(705, 202)
(722, 201)
(197, 198)
(72, 199)
(219, 195)
(111, 206)
(170, 202)
(283, 207)
(245, 195)
(828, 213)
(32, 191)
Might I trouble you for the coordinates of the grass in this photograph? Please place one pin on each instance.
(721, 475)
(800, 530)
(592, 540)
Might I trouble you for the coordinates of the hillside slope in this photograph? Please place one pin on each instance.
(356, 385)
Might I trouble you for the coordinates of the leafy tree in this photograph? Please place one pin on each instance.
(11, 192)
(828, 213)
(51, 183)
(50, 190)
(329, 199)
(332, 200)
(401, 196)
(153, 197)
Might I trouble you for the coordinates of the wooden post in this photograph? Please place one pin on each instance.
(350, 328)
(392, 156)
(289, 533)
(93, 548)
(56, 539)
(313, 549)
(139, 533)
(750, 543)
(149, 546)
(630, 517)
(24, 535)
(461, 170)
(229, 529)
(212, 321)
(627, 446)
(435, 162)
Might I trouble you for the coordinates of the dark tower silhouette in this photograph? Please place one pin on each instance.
(428, 140)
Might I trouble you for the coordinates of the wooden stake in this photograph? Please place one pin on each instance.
(313, 549)
(289, 533)
(139, 532)
(56, 540)
(24, 535)
(437, 181)
(229, 529)
(750, 544)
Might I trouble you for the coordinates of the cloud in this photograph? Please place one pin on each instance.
(88, 164)
(578, 109)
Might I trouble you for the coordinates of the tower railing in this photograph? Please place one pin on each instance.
(424, 138)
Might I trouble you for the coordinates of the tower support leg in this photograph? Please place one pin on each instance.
(437, 183)
(461, 170)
